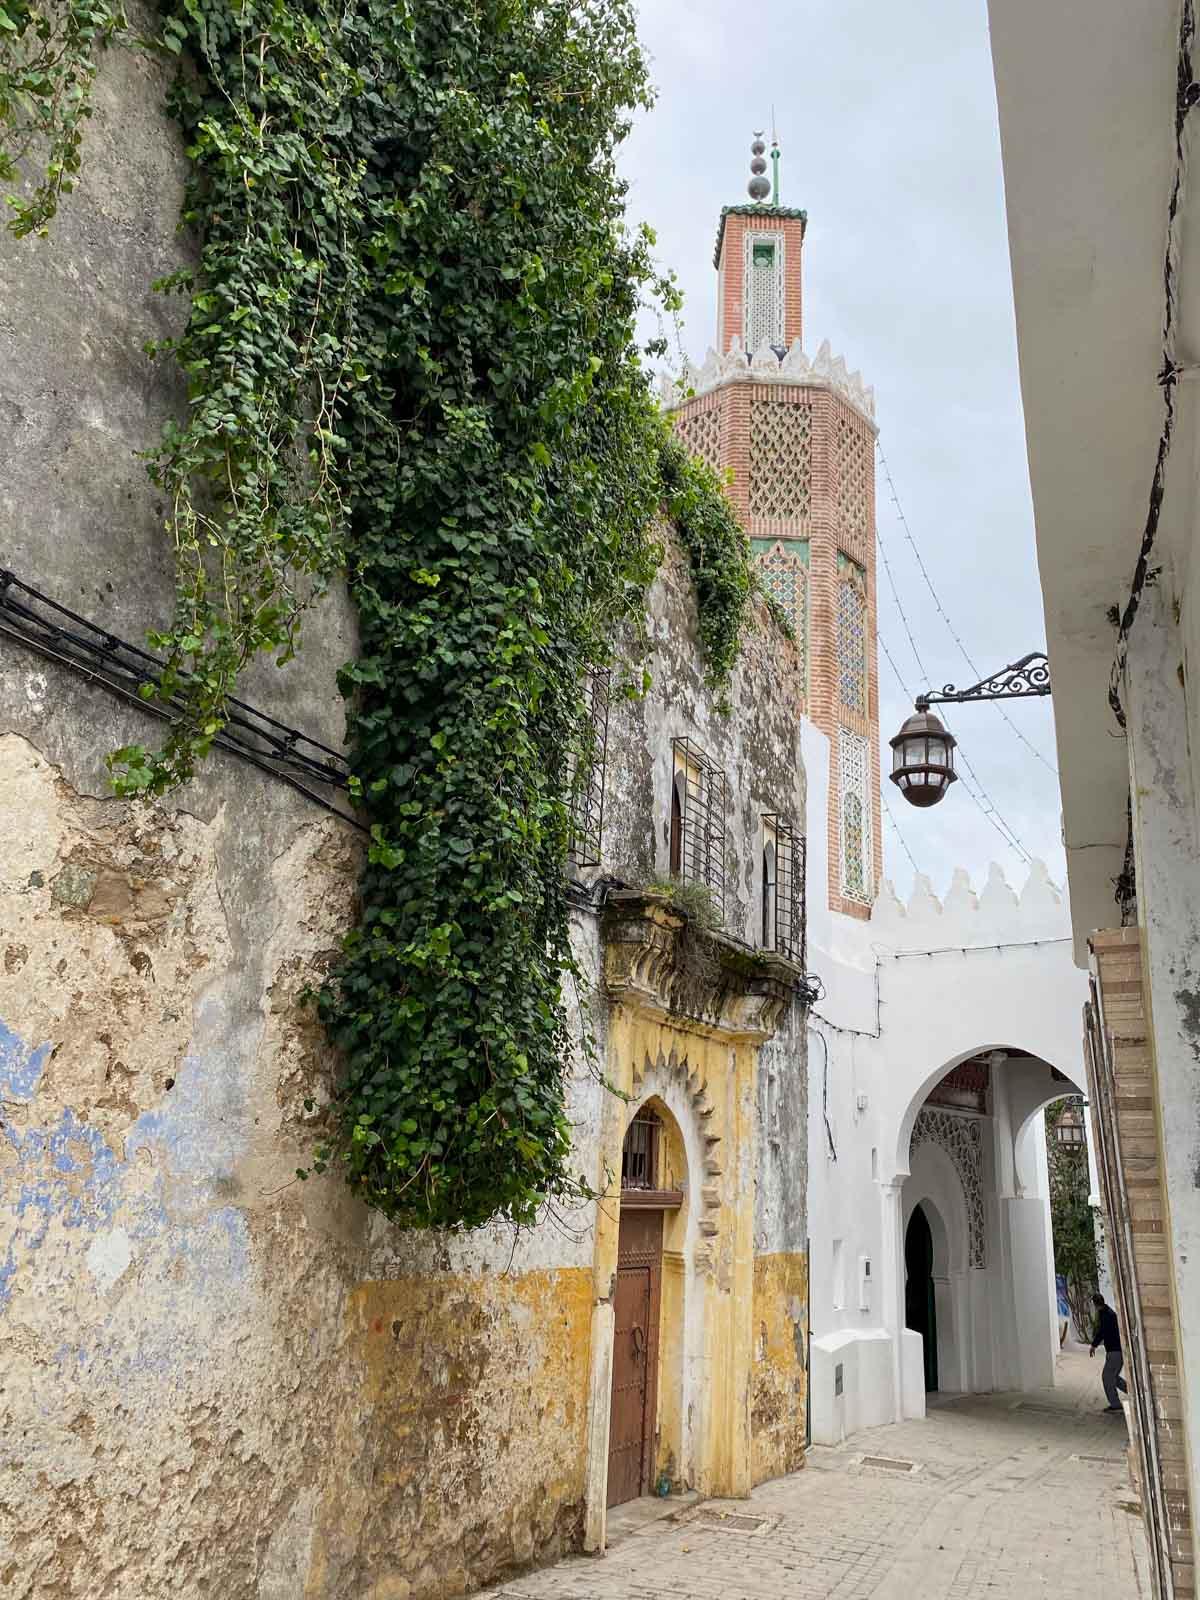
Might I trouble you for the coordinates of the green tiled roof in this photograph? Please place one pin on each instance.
(752, 210)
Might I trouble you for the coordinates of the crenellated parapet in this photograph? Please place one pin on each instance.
(771, 364)
(997, 914)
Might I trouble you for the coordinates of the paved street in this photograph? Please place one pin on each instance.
(1014, 1497)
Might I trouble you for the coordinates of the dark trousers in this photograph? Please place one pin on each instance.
(1114, 1383)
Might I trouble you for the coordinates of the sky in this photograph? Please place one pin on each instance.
(886, 116)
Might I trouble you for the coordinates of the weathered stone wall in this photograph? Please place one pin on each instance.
(218, 1379)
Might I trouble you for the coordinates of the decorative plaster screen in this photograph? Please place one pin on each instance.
(785, 576)
(780, 478)
(763, 293)
(854, 763)
(851, 636)
(700, 435)
(962, 1140)
(853, 458)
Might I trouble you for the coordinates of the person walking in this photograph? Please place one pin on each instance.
(1108, 1334)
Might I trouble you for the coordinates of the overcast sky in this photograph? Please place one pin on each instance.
(886, 115)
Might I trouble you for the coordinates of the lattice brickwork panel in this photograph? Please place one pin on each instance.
(780, 482)
(785, 576)
(701, 435)
(852, 639)
(853, 459)
(854, 772)
(962, 1140)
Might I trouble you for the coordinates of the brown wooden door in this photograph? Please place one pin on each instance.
(635, 1355)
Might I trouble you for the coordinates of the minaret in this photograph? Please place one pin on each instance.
(797, 438)
(758, 265)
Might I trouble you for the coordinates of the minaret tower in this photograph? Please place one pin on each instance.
(797, 438)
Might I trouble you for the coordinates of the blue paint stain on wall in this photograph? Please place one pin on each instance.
(20, 1067)
(67, 1174)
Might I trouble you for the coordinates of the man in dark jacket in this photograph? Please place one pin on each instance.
(1108, 1334)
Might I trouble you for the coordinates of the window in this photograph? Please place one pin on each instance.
(698, 812)
(768, 887)
(852, 635)
(763, 294)
(587, 774)
(782, 887)
(855, 774)
(640, 1152)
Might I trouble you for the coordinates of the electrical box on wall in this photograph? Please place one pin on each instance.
(864, 1283)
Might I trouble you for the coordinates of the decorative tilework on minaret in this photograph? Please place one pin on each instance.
(798, 440)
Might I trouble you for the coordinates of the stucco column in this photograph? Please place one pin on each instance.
(891, 1234)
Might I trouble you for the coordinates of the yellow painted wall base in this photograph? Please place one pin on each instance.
(777, 1417)
(464, 1459)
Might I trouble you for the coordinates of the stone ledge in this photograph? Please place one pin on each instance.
(658, 962)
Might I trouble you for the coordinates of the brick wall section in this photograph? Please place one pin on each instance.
(829, 532)
(1122, 1094)
(732, 268)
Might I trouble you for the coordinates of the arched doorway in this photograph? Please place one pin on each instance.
(649, 1201)
(920, 1309)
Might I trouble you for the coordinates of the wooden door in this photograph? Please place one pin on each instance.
(635, 1355)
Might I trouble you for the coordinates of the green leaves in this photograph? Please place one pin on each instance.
(411, 364)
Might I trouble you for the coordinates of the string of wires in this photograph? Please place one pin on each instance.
(982, 799)
(942, 612)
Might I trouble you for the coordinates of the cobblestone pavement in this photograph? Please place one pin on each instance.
(1014, 1497)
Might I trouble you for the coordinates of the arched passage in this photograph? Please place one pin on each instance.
(972, 1156)
(920, 1309)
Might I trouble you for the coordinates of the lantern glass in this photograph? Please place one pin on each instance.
(923, 759)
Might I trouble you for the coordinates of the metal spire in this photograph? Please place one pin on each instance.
(774, 161)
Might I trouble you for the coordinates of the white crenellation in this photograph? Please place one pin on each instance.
(825, 371)
(996, 914)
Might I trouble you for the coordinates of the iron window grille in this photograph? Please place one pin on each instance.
(699, 806)
(639, 1154)
(784, 863)
(587, 776)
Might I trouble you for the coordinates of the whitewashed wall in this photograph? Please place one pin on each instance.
(909, 995)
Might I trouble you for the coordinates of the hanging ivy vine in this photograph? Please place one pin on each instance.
(410, 360)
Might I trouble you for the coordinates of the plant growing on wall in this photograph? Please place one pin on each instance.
(410, 362)
(1071, 1219)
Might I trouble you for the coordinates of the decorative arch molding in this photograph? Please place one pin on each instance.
(961, 1139)
(671, 1079)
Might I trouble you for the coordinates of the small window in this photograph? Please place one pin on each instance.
(769, 881)
(699, 803)
(640, 1152)
(783, 874)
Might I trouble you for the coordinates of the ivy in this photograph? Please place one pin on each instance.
(410, 362)
(718, 552)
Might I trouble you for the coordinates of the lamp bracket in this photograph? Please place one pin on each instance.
(1018, 681)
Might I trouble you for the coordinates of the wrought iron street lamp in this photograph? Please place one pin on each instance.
(923, 750)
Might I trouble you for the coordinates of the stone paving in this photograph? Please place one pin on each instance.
(1014, 1497)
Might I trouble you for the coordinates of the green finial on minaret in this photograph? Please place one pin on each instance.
(774, 161)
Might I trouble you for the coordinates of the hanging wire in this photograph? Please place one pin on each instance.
(896, 830)
(983, 799)
(942, 612)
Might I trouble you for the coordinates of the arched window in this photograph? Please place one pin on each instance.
(852, 637)
(677, 799)
(640, 1154)
(769, 890)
